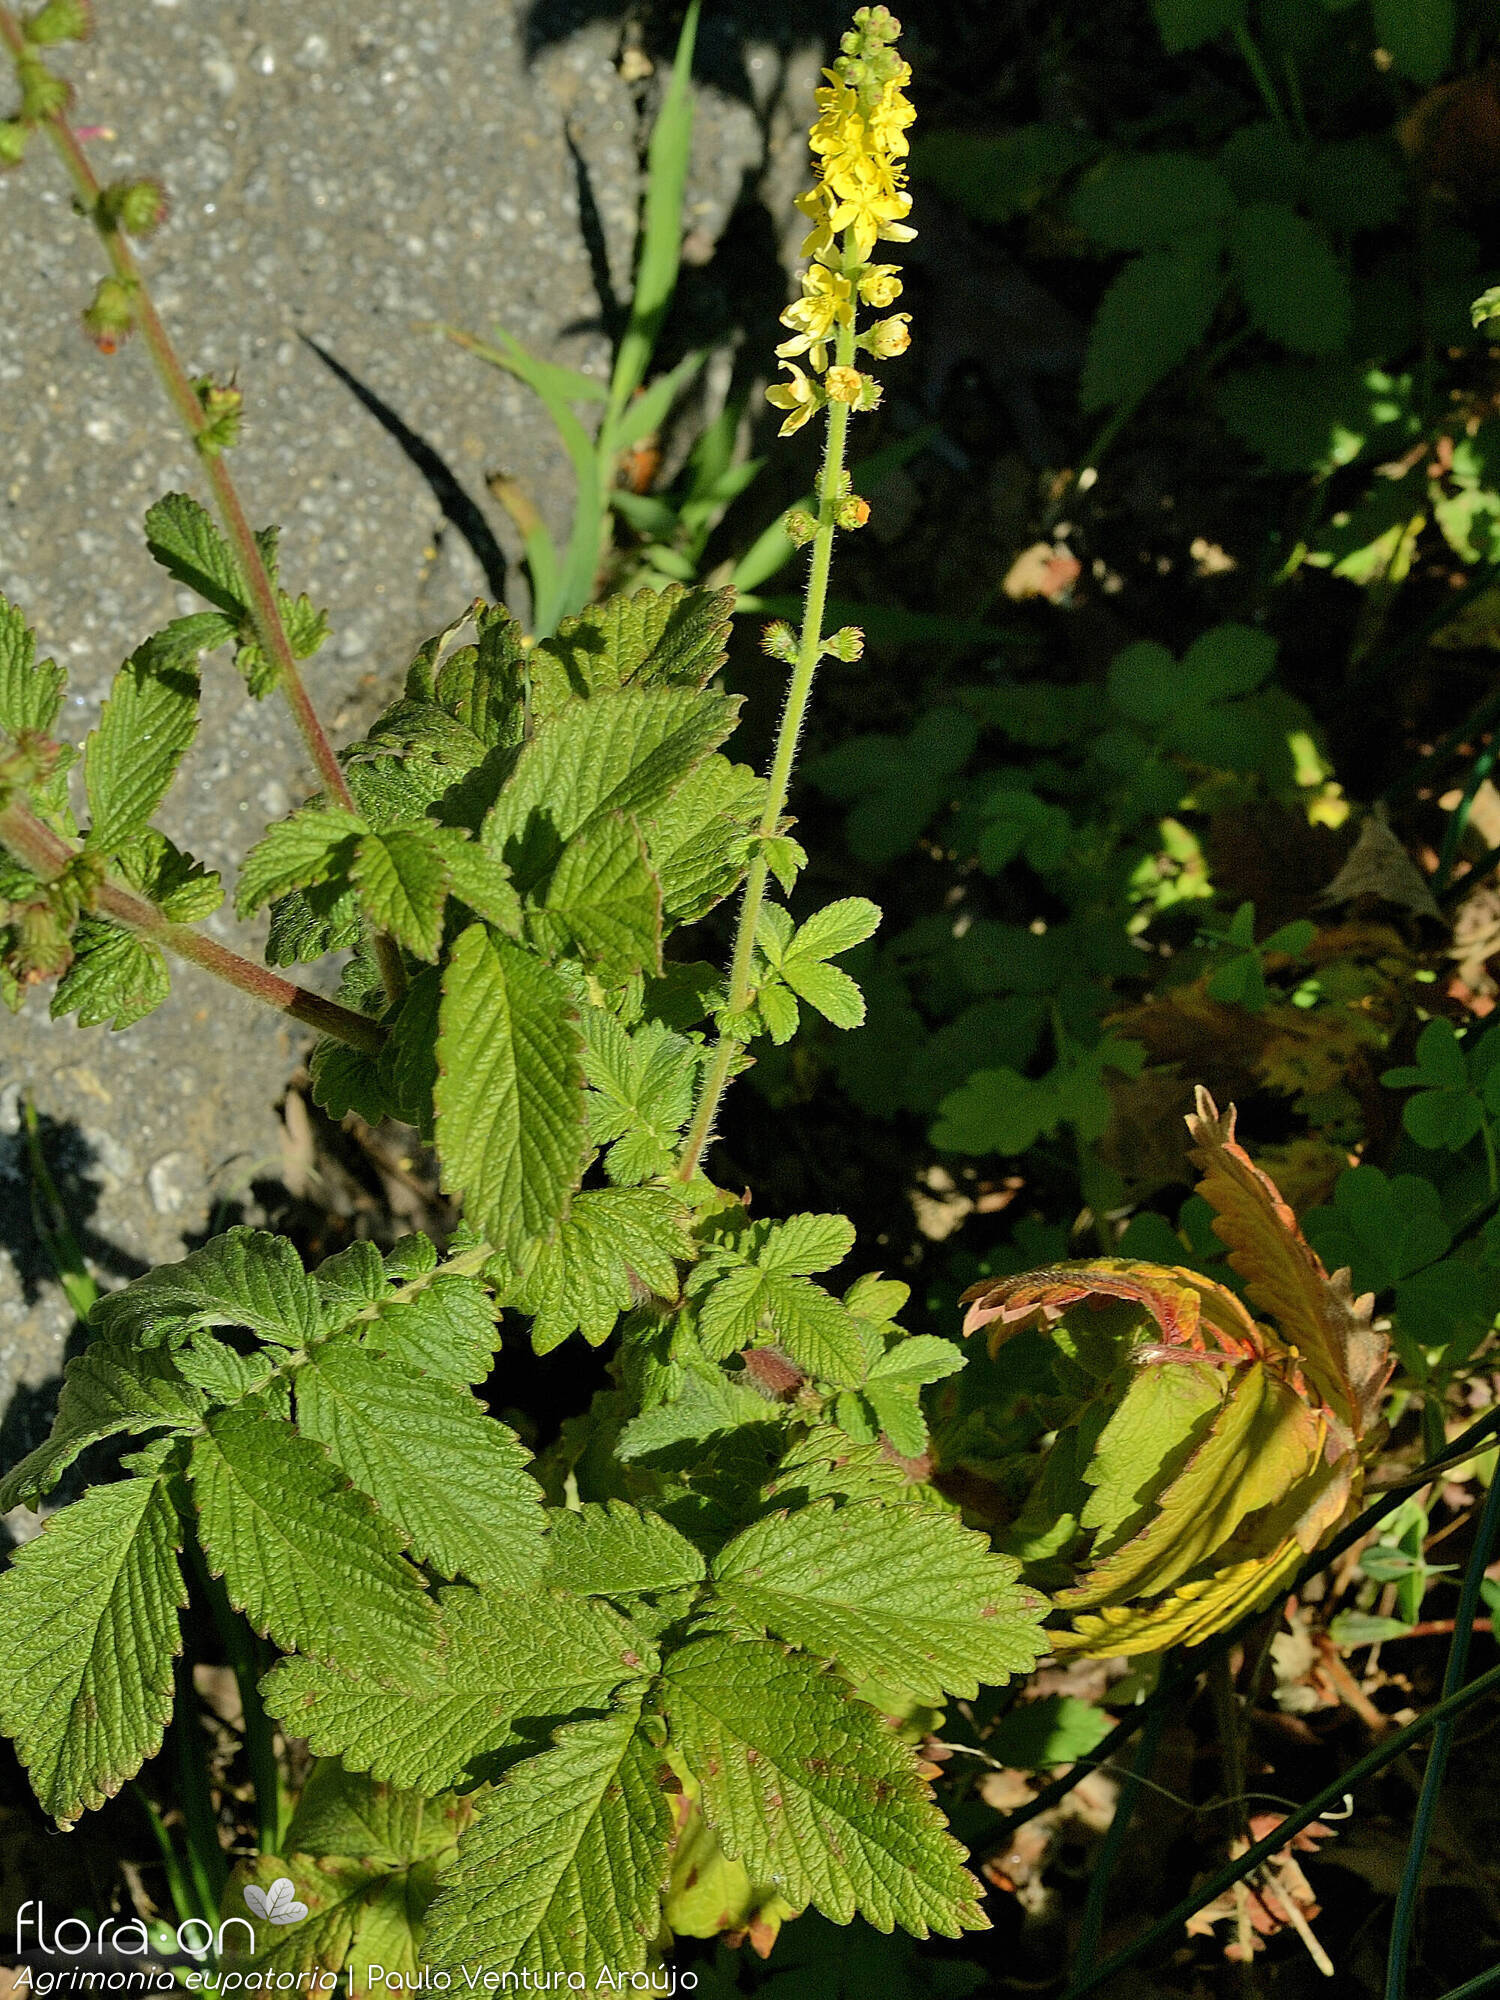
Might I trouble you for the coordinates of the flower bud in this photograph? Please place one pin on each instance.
(844, 385)
(12, 142)
(847, 644)
(852, 512)
(59, 21)
(43, 95)
(780, 641)
(222, 404)
(109, 319)
(800, 527)
(137, 207)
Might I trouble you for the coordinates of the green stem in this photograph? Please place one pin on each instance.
(265, 613)
(1442, 1743)
(205, 1856)
(183, 1901)
(1255, 62)
(1091, 1924)
(793, 715)
(53, 1225)
(46, 854)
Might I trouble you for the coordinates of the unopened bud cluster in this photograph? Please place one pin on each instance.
(860, 199)
(43, 95)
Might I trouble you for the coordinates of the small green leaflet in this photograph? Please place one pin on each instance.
(309, 847)
(182, 889)
(708, 1404)
(769, 1294)
(345, 1812)
(306, 1559)
(641, 1090)
(615, 1245)
(30, 690)
(812, 1790)
(794, 963)
(108, 1389)
(114, 976)
(403, 885)
(612, 1550)
(90, 1614)
(670, 637)
(700, 838)
(564, 1868)
(905, 1596)
(448, 1329)
(509, 1095)
(243, 1278)
(438, 1468)
(182, 537)
(147, 723)
(503, 1657)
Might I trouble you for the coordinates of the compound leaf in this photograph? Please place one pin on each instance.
(615, 1245)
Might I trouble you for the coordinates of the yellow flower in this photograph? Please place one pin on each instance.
(887, 337)
(800, 397)
(827, 302)
(845, 385)
(880, 286)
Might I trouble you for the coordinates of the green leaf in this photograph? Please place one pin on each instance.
(1154, 314)
(303, 1557)
(905, 1596)
(748, 1306)
(402, 882)
(641, 1091)
(917, 1359)
(90, 1612)
(448, 1329)
(835, 928)
(615, 1245)
(1141, 201)
(31, 691)
(347, 1812)
(699, 839)
(437, 1466)
(603, 901)
(622, 752)
(1162, 1411)
(1419, 35)
(313, 846)
(509, 1095)
(709, 1405)
(655, 638)
(1293, 283)
(114, 976)
(832, 992)
(812, 1791)
(243, 1278)
(182, 889)
(182, 537)
(1057, 1729)
(564, 1869)
(805, 1243)
(534, 1657)
(147, 723)
(1379, 1229)
(479, 880)
(994, 176)
(618, 1551)
(108, 1389)
(1186, 24)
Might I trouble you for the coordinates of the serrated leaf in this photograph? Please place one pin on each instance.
(312, 847)
(667, 638)
(603, 901)
(303, 1557)
(805, 1243)
(90, 1613)
(448, 1329)
(1293, 283)
(917, 1359)
(905, 1596)
(345, 1080)
(509, 1096)
(402, 882)
(836, 927)
(897, 1410)
(564, 1868)
(615, 1245)
(440, 1469)
(114, 976)
(31, 690)
(612, 1550)
(353, 1925)
(812, 1791)
(708, 1405)
(182, 537)
(641, 1091)
(243, 1278)
(348, 1812)
(182, 889)
(530, 1658)
(827, 988)
(146, 725)
(108, 1389)
(622, 752)
(699, 839)
(478, 879)
(1154, 314)
(749, 1305)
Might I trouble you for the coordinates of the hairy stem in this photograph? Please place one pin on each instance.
(793, 715)
(265, 613)
(47, 854)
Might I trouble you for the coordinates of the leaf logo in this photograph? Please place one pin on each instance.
(276, 1905)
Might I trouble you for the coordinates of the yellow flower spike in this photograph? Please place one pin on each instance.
(799, 396)
(827, 303)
